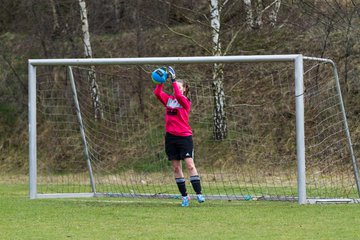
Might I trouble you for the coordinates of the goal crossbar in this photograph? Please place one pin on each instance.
(163, 60)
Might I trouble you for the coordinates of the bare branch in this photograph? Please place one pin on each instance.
(8, 62)
(223, 4)
(186, 9)
(269, 6)
(231, 42)
(190, 38)
(182, 35)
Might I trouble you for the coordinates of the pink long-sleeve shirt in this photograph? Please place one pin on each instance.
(177, 110)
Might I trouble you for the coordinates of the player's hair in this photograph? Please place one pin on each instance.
(185, 85)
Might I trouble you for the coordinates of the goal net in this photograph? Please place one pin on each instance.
(96, 129)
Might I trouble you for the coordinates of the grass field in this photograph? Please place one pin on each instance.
(112, 218)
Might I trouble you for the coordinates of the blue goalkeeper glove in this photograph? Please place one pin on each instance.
(172, 74)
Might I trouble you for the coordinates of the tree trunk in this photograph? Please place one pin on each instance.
(249, 14)
(259, 13)
(219, 116)
(220, 126)
(117, 11)
(274, 13)
(98, 113)
(56, 25)
(140, 50)
(254, 18)
(348, 52)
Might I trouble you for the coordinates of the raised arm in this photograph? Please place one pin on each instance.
(160, 94)
(183, 100)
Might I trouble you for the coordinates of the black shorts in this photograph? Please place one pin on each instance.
(178, 147)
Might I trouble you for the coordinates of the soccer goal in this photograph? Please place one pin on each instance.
(97, 130)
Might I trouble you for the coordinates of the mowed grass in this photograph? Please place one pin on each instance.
(113, 218)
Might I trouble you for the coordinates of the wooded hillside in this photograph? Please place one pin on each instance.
(31, 29)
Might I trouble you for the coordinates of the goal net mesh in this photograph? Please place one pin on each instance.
(126, 145)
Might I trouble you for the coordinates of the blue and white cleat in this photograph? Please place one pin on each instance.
(185, 201)
(200, 198)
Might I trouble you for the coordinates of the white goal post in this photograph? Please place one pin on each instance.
(298, 66)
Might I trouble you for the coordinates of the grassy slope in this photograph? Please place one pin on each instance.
(13, 140)
(149, 219)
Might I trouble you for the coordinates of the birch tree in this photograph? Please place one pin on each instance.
(98, 113)
(259, 14)
(255, 11)
(140, 50)
(56, 25)
(117, 10)
(274, 13)
(219, 114)
(249, 14)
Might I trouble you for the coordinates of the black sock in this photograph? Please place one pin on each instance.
(182, 186)
(195, 182)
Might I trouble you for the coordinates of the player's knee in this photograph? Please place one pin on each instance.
(190, 167)
(177, 169)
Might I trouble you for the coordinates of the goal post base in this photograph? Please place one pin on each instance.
(208, 197)
(333, 201)
(64, 195)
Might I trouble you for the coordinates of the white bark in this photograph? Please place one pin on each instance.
(215, 26)
(274, 13)
(259, 13)
(249, 14)
(85, 29)
(55, 15)
(98, 113)
(254, 18)
(219, 115)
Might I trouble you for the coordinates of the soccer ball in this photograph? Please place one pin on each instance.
(159, 76)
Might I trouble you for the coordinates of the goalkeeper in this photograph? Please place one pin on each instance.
(178, 138)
